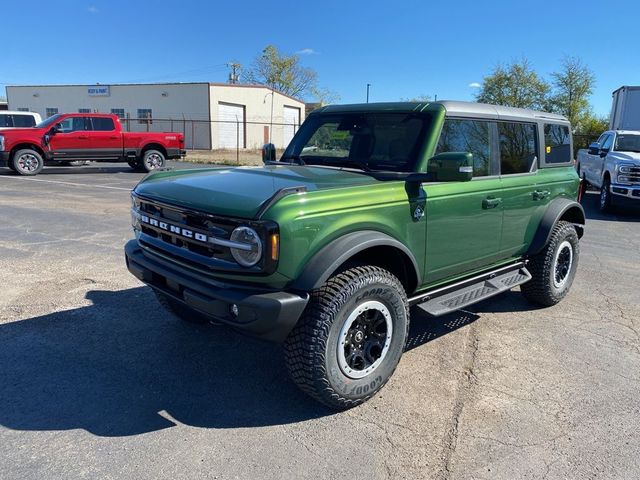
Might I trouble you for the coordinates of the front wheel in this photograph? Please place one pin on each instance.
(606, 200)
(350, 337)
(27, 162)
(554, 268)
(152, 160)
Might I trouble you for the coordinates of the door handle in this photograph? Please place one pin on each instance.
(113, 137)
(491, 202)
(82, 137)
(541, 194)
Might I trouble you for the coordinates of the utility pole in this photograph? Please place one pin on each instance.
(368, 85)
(233, 75)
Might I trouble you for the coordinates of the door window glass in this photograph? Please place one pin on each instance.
(103, 124)
(73, 124)
(468, 136)
(518, 152)
(606, 144)
(23, 121)
(5, 121)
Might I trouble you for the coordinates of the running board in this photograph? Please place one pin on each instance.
(454, 297)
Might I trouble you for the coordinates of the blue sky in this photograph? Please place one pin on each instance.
(403, 48)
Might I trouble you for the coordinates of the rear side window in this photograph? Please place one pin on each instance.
(518, 147)
(102, 124)
(468, 136)
(557, 140)
(5, 121)
(23, 121)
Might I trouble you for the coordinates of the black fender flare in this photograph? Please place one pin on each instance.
(331, 256)
(558, 208)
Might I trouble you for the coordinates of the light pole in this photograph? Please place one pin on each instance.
(368, 85)
(271, 121)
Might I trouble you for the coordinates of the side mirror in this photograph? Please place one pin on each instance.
(57, 128)
(603, 152)
(268, 153)
(452, 167)
(594, 148)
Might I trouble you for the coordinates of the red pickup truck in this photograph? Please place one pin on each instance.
(85, 136)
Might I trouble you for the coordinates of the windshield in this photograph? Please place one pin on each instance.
(49, 121)
(628, 143)
(366, 141)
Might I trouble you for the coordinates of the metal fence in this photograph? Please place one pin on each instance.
(217, 134)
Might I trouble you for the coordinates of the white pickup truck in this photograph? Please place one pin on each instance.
(612, 164)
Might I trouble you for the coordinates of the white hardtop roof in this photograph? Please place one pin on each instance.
(457, 108)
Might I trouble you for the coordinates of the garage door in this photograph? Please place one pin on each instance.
(291, 123)
(231, 126)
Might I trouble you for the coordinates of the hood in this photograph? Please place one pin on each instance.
(633, 157)
(239, 192)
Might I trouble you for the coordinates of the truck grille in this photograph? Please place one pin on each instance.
(168, 225)
(634, 175)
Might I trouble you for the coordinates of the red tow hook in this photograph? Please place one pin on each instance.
(581, 189)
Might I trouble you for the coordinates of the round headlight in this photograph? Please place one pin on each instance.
(252, 253)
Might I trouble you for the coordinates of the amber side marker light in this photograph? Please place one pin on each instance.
(275, 246)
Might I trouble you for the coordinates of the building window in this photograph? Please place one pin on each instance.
(145, 116)
(84, 110)
(23, 109)
(119, 112)
(50, 112)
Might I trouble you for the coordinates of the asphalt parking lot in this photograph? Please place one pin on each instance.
(96, 381)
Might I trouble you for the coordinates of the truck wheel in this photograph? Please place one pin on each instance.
(152, 160)
(350, 337)
(606, 199)
(27, 162)
(180, 310)
(554, 268)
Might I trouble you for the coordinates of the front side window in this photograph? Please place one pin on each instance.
(626, 142)
(607, 142)
(468, 136)
(367, 141)
(557, 140)
(102, 124)
(23, 121)
(73, 124)
(518, 147)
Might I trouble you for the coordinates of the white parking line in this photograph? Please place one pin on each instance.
(65, 183)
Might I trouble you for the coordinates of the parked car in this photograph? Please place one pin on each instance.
(612, 165)
(371, 209)
(98, 137)
(9, 119)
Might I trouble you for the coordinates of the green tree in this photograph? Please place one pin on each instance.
(514, 85)
(592, 125)
(572, 87)
(418, 98)
(283, 73)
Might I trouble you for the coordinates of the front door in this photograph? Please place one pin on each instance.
(72, 139)
(464, 220)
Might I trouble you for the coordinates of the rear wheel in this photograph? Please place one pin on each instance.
(152, 160)
(554, 268)
(180, 310)
(27, 162)
(350, 337)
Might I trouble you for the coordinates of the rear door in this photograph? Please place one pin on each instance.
(104, 139)
(524, 198)
(464, 220)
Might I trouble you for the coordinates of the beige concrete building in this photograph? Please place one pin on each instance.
(211, 115)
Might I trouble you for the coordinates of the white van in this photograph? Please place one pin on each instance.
(9, 119)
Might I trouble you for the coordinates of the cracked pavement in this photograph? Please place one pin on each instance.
(96, 381)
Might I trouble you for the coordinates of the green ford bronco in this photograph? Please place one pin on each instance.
(372, 209)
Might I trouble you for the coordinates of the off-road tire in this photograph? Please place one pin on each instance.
(21, 156)
(605, 202)
(311, 349)
(543, 288)
(152, 160)
(180, 310)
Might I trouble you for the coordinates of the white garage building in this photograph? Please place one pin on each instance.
(211, 115)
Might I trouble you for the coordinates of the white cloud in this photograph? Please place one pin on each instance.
(307, 51)
(92, 9)
(475, 85)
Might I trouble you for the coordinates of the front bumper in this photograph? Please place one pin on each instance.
(627, 191)
(4, 159)
(270, 315)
